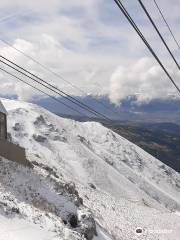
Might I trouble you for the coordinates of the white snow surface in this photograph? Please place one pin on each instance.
(19, 229)
(124, 187)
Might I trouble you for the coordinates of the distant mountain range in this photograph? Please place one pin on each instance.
(152, 112)
(155, 111)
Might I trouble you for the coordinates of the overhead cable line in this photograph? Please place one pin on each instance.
(133, 24)
(46, 86)
(158, 32)
(57, 100)
(164, 19)
(55, 74)
(52, 88)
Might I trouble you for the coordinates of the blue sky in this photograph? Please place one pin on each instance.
(91, 44)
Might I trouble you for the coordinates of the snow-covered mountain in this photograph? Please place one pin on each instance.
(85, 175)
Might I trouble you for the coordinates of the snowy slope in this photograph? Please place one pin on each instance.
(123, 186)
(40, 197)
(16, 228)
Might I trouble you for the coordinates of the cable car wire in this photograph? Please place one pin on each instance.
(133, 24)
(59, 101)
(52, 88)
(56, 74)
(168, 26)
(158, 32)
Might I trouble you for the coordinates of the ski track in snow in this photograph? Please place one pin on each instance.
(124, 187)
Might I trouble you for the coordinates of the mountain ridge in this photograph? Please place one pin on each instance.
(111, 174)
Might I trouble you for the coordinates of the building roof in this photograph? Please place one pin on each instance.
(2, 108)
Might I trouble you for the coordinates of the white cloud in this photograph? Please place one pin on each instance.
(144, 79)
(72, 66)
(85, 41)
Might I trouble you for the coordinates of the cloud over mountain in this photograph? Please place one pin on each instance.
(144, 79)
